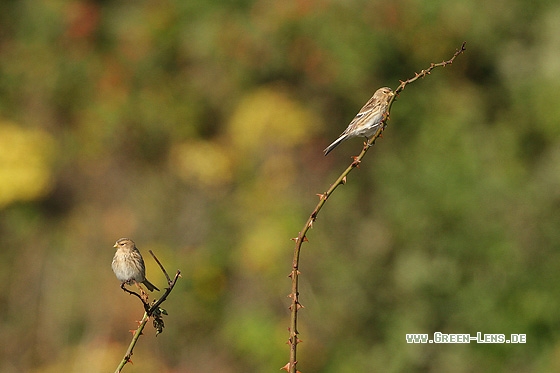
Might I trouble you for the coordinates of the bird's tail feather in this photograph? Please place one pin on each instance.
(334, 144)
(149, 285)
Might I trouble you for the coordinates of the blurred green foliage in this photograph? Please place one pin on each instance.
(197, 128)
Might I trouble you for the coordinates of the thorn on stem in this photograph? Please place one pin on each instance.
(287, 367)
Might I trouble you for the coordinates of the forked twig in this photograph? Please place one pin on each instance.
(150, 310)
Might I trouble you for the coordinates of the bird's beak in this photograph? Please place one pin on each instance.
(115, 245)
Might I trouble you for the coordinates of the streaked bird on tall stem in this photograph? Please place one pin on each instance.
(368, 120)
(128, 265)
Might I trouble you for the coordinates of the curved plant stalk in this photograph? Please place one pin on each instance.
(323, 197)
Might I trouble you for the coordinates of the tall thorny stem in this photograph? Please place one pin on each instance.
(293, 340)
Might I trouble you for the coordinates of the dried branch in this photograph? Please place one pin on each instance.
(293, 340)
(150, 310)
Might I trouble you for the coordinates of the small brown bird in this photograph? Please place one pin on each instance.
(368, 120)
(128, 264)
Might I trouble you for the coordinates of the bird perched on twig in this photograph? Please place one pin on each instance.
(128, 264)
(368, 120)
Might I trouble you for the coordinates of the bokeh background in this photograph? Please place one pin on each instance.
(197, 128)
